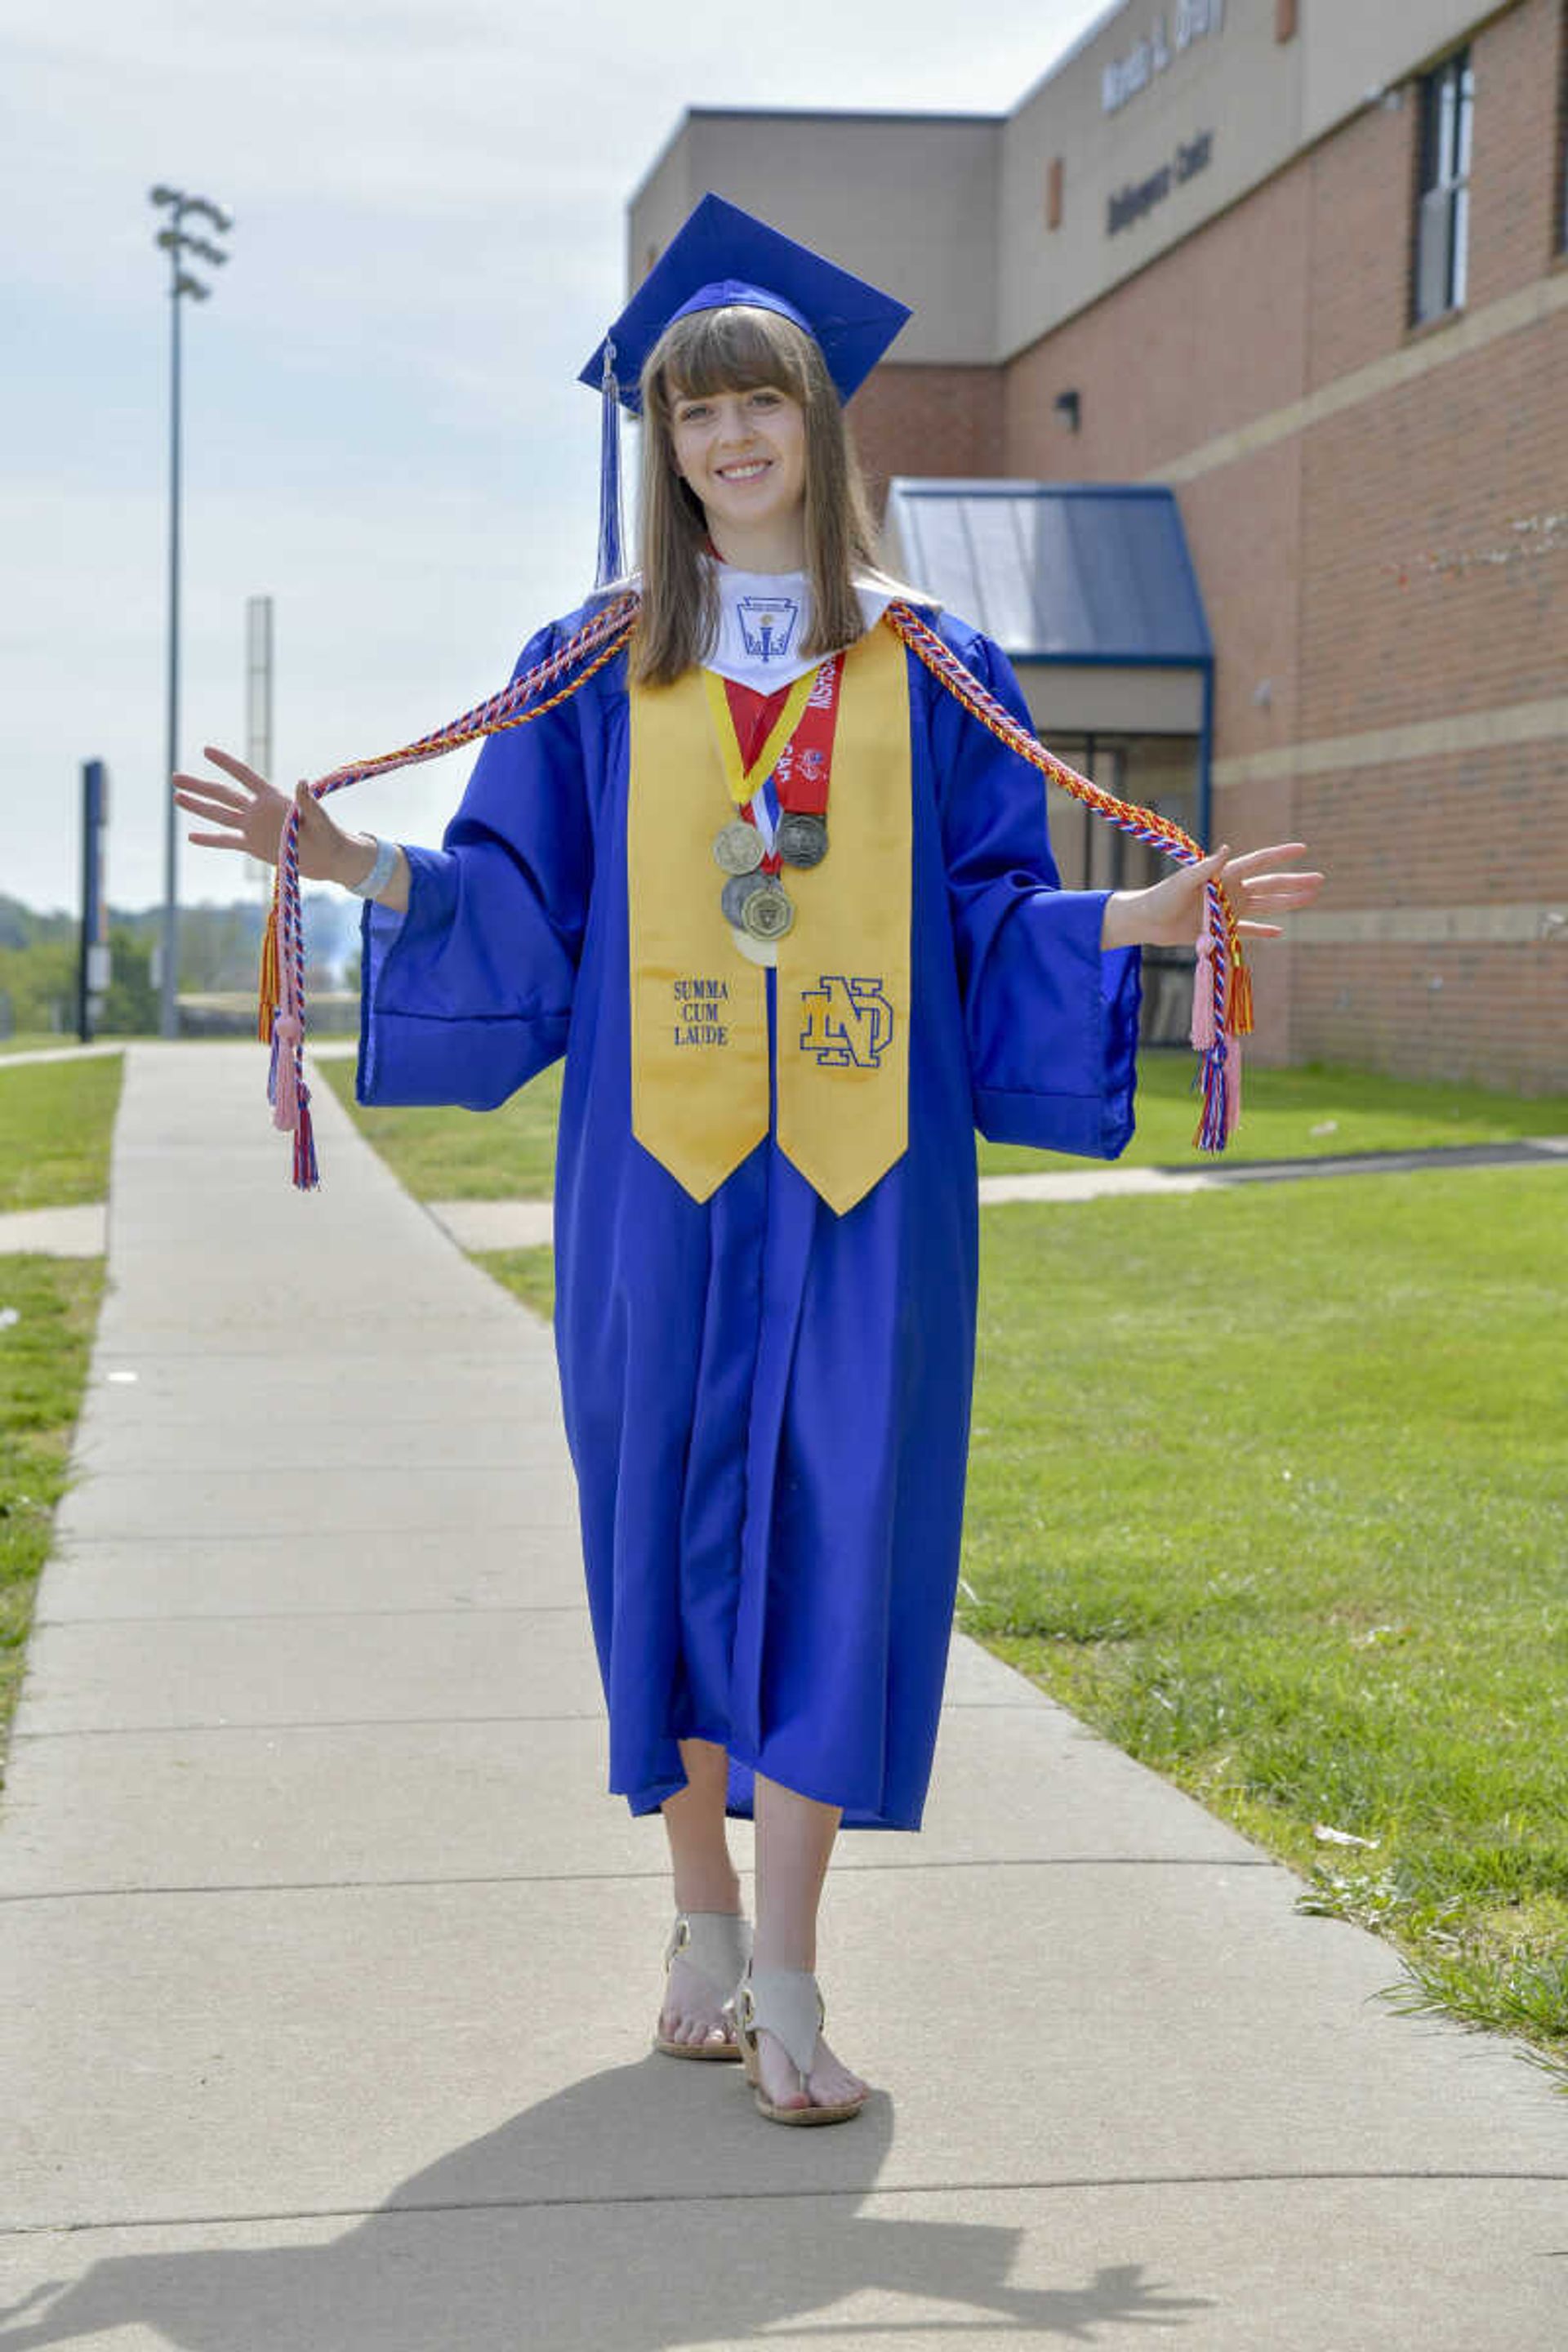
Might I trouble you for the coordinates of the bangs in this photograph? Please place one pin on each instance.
(732, 350)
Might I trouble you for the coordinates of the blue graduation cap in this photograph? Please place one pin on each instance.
(720, 256)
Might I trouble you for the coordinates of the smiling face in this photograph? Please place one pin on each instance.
(746, 448)
(741, 453)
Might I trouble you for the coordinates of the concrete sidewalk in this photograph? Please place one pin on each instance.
(328, 1969)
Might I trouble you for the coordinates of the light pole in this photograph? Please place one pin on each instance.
(177, 242)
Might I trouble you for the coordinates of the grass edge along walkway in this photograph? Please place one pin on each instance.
(56, 1125)
(1320, 1588)
(45, 1354)
(440, 1154)
(56, 1122)
(1319, 1583)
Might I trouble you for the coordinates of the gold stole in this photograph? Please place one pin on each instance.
(699, 1006)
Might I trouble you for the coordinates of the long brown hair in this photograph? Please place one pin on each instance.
(737, 349)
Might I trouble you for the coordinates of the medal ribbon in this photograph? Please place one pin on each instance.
(700, 1008)
(746, 779)
(802, 767)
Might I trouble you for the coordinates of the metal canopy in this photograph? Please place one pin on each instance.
(1056, 571)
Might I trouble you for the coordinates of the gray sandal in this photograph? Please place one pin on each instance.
(787, 2003)
(718, 1946)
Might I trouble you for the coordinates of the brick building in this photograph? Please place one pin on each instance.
(1304, 263)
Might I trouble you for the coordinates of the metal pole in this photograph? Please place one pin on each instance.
(168, 1013)
(88, 850)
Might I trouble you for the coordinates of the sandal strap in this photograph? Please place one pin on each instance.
(716, 1944)
(787, 2003)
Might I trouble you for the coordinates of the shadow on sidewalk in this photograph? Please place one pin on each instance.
(536, 2235)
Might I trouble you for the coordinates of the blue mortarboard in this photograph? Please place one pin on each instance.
(720, 256)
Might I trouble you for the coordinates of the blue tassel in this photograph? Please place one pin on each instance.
(611, 564)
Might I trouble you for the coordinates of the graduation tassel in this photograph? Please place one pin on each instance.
(1238, 1013)
(267, 988)
(611, 564)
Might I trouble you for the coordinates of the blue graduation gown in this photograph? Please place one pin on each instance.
(767, 1404)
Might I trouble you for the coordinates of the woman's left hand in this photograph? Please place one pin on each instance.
(1170, 913)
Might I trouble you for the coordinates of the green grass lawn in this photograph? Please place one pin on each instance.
(43, 1367)
(509, 1154)
(1311, 1113)
(463, 1155)
(528, 1274)
(56, 1120)
(1272, 1488)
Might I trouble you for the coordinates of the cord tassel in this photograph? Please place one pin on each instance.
(307, 1175)
(1201, 1033)
(266, 987)
(1238, 1013)
(285, 1089)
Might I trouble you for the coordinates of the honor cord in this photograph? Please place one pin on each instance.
(1222, 1003)
(281, 1016)
(1222, 1011)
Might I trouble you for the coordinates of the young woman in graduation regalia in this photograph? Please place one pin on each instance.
(753, 849)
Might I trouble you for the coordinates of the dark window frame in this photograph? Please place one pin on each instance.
(1439, 273)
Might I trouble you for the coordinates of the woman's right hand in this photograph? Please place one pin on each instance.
(249, 815)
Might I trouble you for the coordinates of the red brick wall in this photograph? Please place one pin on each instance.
(1408, 502)
(1350, 565)
(1519, 95)
(1208, 337)
(1494, 1016)
(931, 421)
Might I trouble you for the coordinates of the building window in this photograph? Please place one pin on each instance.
(1443, 212)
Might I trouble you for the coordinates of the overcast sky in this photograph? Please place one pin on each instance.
(382, 429)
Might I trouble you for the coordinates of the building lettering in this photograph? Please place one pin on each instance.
(1134, 202)
(1123, 78)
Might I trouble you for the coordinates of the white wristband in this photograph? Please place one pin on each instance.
(380, 873)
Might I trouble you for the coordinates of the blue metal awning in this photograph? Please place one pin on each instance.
(1057, 572)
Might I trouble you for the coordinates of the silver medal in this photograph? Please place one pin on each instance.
(739, 889)
(801, 838)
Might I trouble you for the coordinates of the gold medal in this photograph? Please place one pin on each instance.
(767, 912)
(738, 848)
